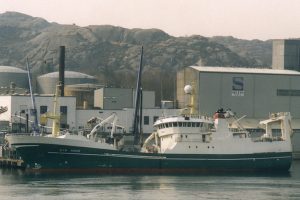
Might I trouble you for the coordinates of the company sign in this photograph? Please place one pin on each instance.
(238, 86)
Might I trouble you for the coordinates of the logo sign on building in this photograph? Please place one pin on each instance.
(238, 86)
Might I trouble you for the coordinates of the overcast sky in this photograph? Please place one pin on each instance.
(246, 19)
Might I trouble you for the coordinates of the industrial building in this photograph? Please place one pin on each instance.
(18, 106)
(286, 54)
(253, 92)
(84, 94)
(247, 91)
(83, 99)
(119, 98)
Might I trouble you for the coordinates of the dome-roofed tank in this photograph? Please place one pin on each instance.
(47, 82)
(9, 74)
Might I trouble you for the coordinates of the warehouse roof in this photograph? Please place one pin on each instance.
(244, 70)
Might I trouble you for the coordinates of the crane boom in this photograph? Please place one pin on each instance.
(112, 117)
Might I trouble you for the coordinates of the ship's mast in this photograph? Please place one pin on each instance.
(59, 91)
(55, 116)
(138, 102)
(192, 103)
(33, 111)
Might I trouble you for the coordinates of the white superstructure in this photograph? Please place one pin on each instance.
(201, 135)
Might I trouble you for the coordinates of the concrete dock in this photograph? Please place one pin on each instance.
(11, 163)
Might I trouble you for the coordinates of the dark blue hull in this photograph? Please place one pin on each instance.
(57, 158)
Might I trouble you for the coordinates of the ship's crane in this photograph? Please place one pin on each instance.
(112, 119)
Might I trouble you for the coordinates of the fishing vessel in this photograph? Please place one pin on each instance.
(181, 144)
(186, 143)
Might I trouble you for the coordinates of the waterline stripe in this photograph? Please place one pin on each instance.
(163, 157)
(110, 155)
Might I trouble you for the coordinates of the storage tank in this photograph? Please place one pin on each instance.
(46, 83)
(9, 75)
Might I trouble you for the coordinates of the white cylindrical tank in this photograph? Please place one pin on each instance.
(46, 83)
(13, 76)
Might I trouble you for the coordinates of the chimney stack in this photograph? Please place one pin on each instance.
(62, 70)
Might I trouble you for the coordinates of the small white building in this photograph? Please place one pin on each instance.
(19, 105)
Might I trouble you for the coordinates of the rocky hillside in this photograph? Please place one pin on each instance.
(261, 51)
(112, 53)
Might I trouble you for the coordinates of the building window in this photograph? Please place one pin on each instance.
(281, 92)
(146, 120)
(155, 118)
(63, 110)
(43, 109)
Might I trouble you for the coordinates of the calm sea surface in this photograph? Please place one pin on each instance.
(17, 185)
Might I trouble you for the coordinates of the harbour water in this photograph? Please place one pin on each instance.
(17, 185)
